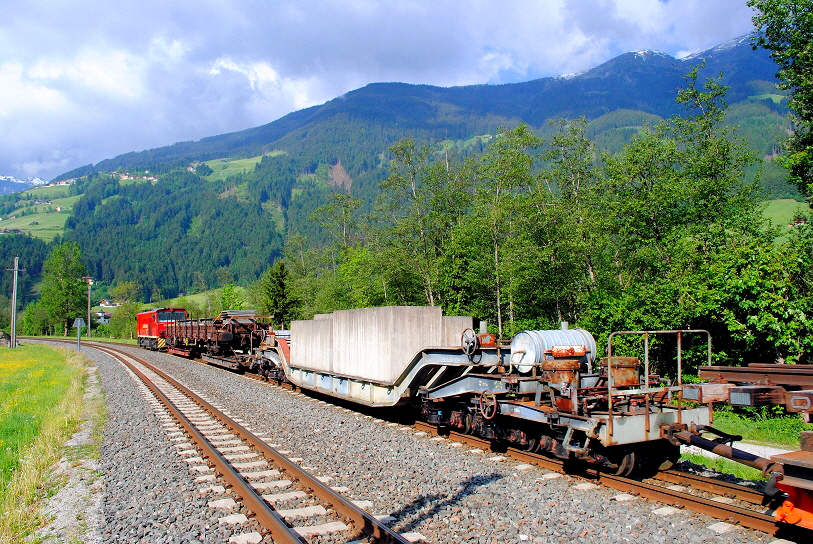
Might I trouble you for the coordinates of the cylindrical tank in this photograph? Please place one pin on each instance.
(528, 347)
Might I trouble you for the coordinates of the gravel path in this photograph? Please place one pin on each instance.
(443, 490)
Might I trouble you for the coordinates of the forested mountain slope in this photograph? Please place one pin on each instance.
(177, 232)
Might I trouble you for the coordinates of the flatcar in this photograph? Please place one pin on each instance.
(152, 325)
(231, 340)
(543, 391)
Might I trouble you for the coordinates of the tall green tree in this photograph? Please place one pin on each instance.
(63, 290)
(420, 203)
(785, 27)
(35, 319)
(274, 294)
(505, 171)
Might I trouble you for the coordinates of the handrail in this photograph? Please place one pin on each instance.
(679, 333)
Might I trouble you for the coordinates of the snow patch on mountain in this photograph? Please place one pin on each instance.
(24, 181)
(649, 53)
(725, 46)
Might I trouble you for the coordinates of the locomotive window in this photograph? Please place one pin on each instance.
(169, 317)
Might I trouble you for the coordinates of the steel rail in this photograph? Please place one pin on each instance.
(363, 522)
(266, 515)
(711, 485)
(746, 518)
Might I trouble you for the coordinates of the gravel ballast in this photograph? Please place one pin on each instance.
(447, 492)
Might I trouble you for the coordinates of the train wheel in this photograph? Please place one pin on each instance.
(646, 460)
(628, 464)
(532, 445)
(672, 455)
(468, 423)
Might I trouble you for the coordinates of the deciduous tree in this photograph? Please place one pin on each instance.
(123, 321)
(785, 27)
(63, 290)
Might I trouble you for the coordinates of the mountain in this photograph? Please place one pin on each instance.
(644, 81)
(10, 184)
(197, 224)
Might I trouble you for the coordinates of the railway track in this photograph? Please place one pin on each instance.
(673, 487)
(234, 462)
(676, 494)
(662, 491)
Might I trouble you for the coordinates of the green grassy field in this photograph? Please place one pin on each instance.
(223, 168)
(33, 379)
(40, 405)
(59, 191)
(197, 298)
(782, 211)
(42, 224)
(776, 98)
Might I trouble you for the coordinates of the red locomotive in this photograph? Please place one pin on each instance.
(152, 326)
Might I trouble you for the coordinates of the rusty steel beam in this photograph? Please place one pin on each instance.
(711, 485)
(746, 518)
(795, 375)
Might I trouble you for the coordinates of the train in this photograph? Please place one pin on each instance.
(151, 326)
(543, 391)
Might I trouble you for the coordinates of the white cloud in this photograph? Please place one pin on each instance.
(84, 81)
(20, 94)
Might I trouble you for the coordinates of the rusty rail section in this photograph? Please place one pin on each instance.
(711, 485)
(267, 516)
(746, 518)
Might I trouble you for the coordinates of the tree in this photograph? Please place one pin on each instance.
(231, 298)
(63, 290)
(35, 320)
(274, 294)
(786, 29)
(506, 170)
(128, 294)
(338, 217)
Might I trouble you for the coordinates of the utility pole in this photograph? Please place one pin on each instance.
(15, 269)
(89, 280)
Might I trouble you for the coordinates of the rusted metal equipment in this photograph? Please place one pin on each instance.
(790, 386)
(230, 340)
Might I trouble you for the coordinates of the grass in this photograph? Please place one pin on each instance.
(48, 225)
(776, 98)
(222, 168)
(198, 298)
(59, 191)
(761, 428)
(773, 431)
(781, 211)
(41, 401)
(724, 466)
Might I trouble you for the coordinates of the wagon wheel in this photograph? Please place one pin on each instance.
(469, 342)
(468, 422)
(488, 405)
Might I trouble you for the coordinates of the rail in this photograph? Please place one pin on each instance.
(745, 517)
(265, 514)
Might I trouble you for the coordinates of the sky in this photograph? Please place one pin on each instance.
(82, 81)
